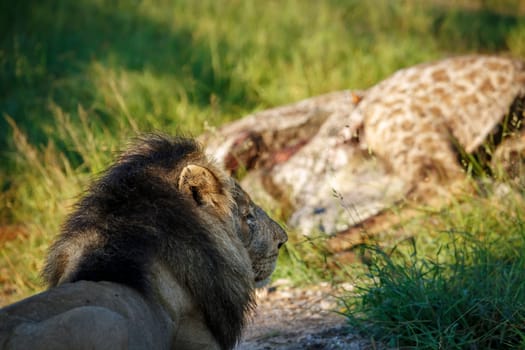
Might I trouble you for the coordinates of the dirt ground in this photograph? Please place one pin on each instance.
(301, 318)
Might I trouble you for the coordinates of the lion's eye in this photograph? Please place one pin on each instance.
(250, 218)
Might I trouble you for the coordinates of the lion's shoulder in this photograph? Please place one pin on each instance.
(84, 314)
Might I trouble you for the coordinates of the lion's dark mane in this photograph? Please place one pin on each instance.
(136, 207)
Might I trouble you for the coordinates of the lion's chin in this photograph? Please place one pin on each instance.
(262, 283)
(265, 270)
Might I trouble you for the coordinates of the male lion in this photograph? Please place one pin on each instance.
(163, 251)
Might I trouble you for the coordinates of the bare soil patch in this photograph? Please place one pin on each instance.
(301, 318)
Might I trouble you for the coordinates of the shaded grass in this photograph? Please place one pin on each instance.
(217, 59)
(461, 288)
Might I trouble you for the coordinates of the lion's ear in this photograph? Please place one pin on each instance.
(203, 186)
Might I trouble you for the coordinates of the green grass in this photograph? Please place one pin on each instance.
(78, 78)
(458, 288)
(305, 260)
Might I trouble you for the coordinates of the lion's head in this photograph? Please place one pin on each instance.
(222, 202)
(261, 235)
(163, 202)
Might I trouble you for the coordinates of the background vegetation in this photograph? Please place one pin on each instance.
(78, 78)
